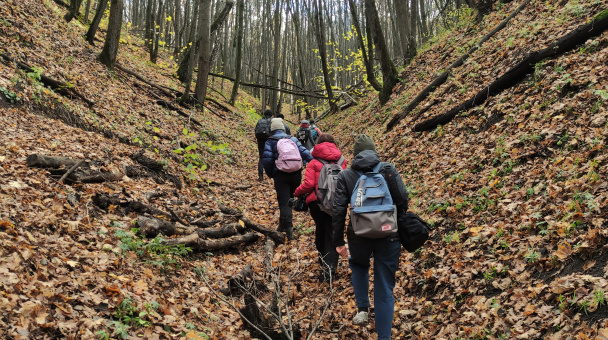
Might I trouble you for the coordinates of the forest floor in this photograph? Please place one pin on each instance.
(515, 190)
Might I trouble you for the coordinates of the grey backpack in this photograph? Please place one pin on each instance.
(328, 177)
(372, 212)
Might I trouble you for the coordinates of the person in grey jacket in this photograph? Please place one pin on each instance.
(385, 251)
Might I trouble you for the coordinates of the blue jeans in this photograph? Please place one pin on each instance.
(386, 261)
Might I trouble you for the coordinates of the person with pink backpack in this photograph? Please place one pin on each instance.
(283, 160)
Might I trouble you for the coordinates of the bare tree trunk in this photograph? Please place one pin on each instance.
(190, 52)
(408, 46)
(101, 8)
(156, 32)
(276, 62)
(86, 11)
(200, 90)
(73, 11)
(371, 78)
(300, 54)
(320, 33)
(239, 51)
(110, 47)
(176, 25)
(149, 24)
(425, 29)
(389, 72)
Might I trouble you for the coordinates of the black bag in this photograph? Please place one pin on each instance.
(298, 204)
(262, 129)
(413, 231)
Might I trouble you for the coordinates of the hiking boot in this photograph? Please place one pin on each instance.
(361, 319)
(261, 178)
(289, 233)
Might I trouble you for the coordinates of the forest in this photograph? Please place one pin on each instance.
(130, 204)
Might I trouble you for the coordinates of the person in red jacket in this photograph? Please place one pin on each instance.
(326, 150)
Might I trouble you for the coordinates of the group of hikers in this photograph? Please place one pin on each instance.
(376, 194)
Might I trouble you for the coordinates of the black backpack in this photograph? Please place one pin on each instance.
(413, 231)
(262, 128)
(303, 134)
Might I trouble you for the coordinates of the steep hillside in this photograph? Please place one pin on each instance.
(515, 188)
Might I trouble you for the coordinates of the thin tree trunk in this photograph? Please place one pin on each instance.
(320, 33)
(239, 51)
(371, 78)
(276, 62)
(110, 47)
(73, 11)
(149, 24)
(389, 72)
(86, 11)
(90, 36)
(190, 52)
(200, 90)
(156, 32)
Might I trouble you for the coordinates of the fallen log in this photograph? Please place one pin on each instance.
(276, 236)
(42, 161)
(444, 76)
(96, 177)
(310, 94)
(155, 168)
(143, 80)
(526, 66)
(151, 227)
(61, 87)
(71, 170)
(195, 241)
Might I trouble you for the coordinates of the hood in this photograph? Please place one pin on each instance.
(327, 151)
(365, 160)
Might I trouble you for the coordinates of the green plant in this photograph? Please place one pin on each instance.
(103, 335)
(562, 302)
(36, 73)
(130, 315)
(598, 297)
(583, 306)
(12, 97)
(583, 198)
(451, 238)
(490, 274)
(120, 329)
(532, 256)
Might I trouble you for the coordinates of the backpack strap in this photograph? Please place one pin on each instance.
(339, 161)
(377, 168)
(392, 185)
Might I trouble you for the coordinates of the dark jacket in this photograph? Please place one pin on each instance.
(271, 154)
(363, 162)
(326, 151)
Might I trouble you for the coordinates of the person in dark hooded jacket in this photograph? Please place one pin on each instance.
(285, 183)
(327, 151)
(385, 251)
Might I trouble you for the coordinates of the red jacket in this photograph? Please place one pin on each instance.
(327, 152)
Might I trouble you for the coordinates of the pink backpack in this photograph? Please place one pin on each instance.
(289, 159)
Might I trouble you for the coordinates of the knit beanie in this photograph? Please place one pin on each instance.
(277, 124)
(363, 142)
